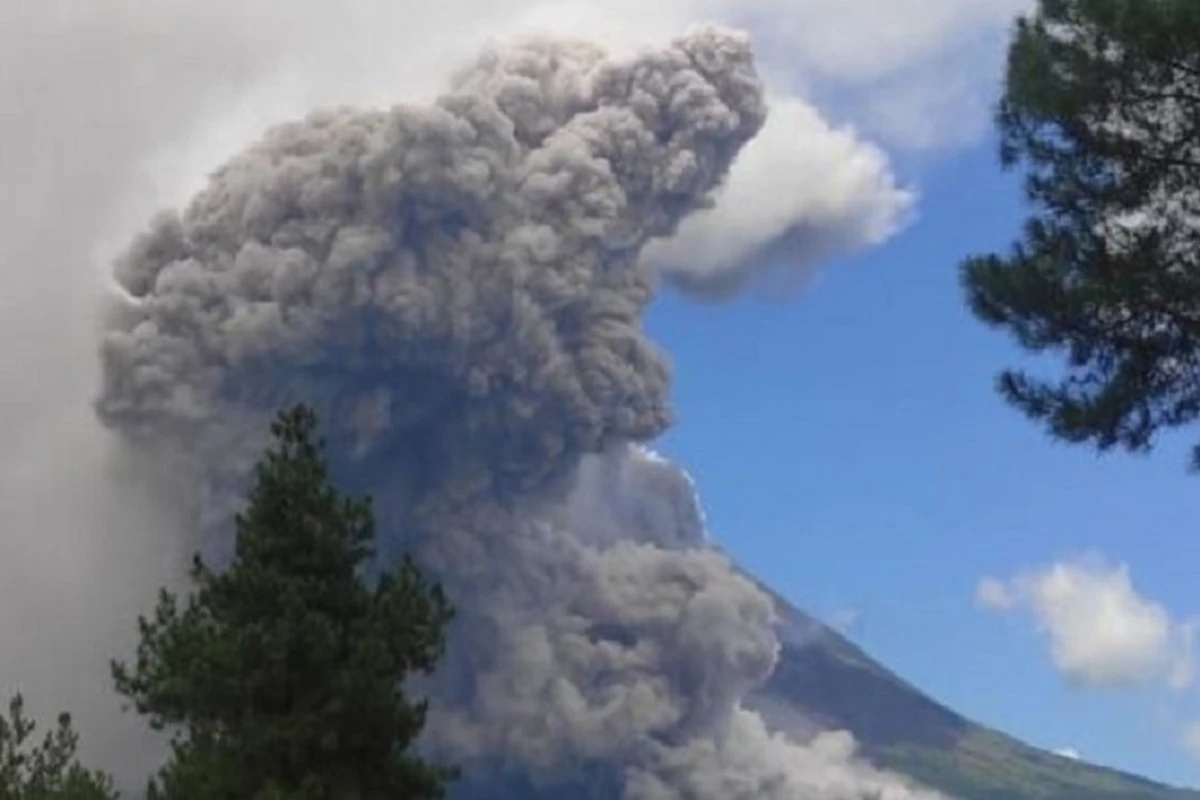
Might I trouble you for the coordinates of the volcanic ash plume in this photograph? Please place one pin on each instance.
(457, 289)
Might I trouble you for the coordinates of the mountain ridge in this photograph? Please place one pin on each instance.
(823, 681)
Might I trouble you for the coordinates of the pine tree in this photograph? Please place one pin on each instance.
(1101, 110)
(283, 675)
(49, 770)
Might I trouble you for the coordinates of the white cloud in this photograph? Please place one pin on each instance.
(935, 105)
(921, 73)
(1102, 632)
(1068, 752)
(866, 40)
(1189, 739)
(802, 191)
(993, 595)
(844, 619)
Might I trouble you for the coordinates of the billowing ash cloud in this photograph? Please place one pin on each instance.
(458, 289)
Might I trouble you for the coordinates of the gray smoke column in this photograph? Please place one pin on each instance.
(461, 278)
(457, 288)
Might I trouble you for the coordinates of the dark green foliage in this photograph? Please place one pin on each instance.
(1102, 112)
(282, 676)
(48, 770)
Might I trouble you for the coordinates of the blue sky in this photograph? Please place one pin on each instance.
(850, 449)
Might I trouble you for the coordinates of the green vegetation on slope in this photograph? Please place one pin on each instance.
(986, 765)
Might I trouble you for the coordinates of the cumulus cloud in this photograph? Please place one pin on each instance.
(1189, 739)
(919, 73)
(864, 40)
(993, 595)
(1101, 630)
(778, 235)
(845, 619)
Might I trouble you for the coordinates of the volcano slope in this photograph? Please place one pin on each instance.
(823, 681)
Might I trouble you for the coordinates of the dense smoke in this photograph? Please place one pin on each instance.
(457, 288)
